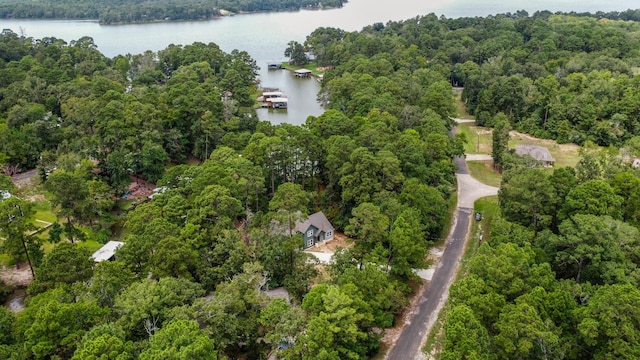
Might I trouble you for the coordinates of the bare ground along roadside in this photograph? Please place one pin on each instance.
(431, 298)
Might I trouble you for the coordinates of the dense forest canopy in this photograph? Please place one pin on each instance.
(565, 77)
(557, 277)
(133, 11)
(92, 124)
(190, 279)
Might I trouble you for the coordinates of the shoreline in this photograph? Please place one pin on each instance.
(222, 13)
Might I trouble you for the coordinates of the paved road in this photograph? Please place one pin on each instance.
(22, 178)
(435, 293)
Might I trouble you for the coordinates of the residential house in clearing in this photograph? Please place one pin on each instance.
(315, 229)
(539, 153)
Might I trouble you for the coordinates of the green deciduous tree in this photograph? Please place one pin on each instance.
(610, 322)
(527, 198)
(296, 54)
(289, 205)
(428, 201)
(369, 227)
(109, 279)
(595, 197)
(105, 342)
(597, 249)
(180, 340)
(282, 321)
(70, 193)
(522, 333)
(627, 186)
(407, 245)
(16, 228)
(465, 336)
(66, 264)
(53, 324)
(359, 177)
(335, 328)
(144, 306)
(500, 136)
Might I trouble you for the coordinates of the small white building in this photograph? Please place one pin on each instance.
(107, 252)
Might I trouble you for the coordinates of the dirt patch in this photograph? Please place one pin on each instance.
(139, 189)
(16, 277)
(339, 240)
(36, 197)
(545, 142)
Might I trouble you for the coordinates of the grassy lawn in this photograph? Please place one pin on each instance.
(489, 209)
(479, 140)
(312, 65)
(461, 108)
(565, 154)
(124, 204)
(483, 172)
(446, 226)
(6, 260)
(92, 245)
(43, 211)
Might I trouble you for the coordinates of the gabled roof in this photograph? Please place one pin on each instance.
(319, 220)
(539, 153)
(107, 251)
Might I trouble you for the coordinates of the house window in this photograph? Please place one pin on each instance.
(310, 242)
(329, 234)
(310, 233)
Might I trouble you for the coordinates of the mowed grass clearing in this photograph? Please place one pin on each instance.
(461, 108)
(479, 141)
(483, 171)
(565, 154)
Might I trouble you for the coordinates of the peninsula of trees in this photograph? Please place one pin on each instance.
(132, 11)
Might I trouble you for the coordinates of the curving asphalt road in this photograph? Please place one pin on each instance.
(435, 293)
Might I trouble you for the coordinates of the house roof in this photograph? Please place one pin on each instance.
(319, 220)
(539, 153)
(303, 71)
(107, 251)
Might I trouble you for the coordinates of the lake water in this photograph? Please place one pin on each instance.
(265, 36)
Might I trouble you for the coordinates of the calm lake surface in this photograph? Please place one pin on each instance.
(265, 36)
